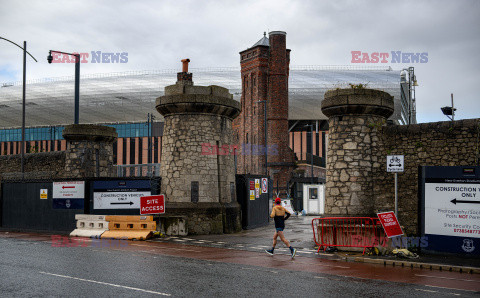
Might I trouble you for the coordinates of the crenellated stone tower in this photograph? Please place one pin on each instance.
(354, 118)
(198, 179)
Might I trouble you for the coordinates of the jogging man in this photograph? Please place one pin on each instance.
(280, 214)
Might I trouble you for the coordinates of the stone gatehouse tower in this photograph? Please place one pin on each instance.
(265, 71)
(197, 169)
(354, 118)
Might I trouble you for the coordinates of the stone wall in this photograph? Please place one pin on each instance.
(37, 165)
(185, 134)
(429, 144)
(89, 154)
(360, 140)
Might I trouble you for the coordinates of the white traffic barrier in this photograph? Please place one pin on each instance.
(92, 226)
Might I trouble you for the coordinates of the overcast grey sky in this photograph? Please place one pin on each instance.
(157, 34)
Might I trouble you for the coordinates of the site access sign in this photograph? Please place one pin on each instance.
(390, 224)
(152, 204)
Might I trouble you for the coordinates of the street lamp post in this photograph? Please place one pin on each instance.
(77, 80)
(266, 134)
(22, 147)
(449, 111)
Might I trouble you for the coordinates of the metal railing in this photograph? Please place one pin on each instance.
(143, 170)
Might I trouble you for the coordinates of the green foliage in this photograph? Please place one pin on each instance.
(418, 145)
(358, 86)
(376, 125)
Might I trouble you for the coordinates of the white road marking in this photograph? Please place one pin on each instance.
(259, 269)
(106, 283)
(447, 278)
(430, 291)
(450, 288)
(319, 277)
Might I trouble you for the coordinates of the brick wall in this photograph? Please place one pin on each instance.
(265, 71)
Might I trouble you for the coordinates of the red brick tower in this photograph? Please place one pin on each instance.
(265, 69)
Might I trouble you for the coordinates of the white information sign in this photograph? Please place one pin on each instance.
(69, 190)
(452, 209)
(118, 200)
(395, 163)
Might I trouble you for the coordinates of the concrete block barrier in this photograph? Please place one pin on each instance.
(92, 226)
(130, 227)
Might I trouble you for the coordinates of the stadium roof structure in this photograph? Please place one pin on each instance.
(128, 96)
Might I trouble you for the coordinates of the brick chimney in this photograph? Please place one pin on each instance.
(184, 77)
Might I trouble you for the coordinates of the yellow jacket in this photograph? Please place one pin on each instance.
(278, 210)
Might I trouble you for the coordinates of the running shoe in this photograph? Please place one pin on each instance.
(294, 252)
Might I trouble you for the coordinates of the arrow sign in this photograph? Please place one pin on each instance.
(455, 201)
(123, 203)
(394, 165)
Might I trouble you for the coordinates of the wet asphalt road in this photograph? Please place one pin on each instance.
(30, 266)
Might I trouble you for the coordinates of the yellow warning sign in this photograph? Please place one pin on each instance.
(252, 195)
(43, 194)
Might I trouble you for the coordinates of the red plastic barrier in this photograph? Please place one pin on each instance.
(362, 232)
